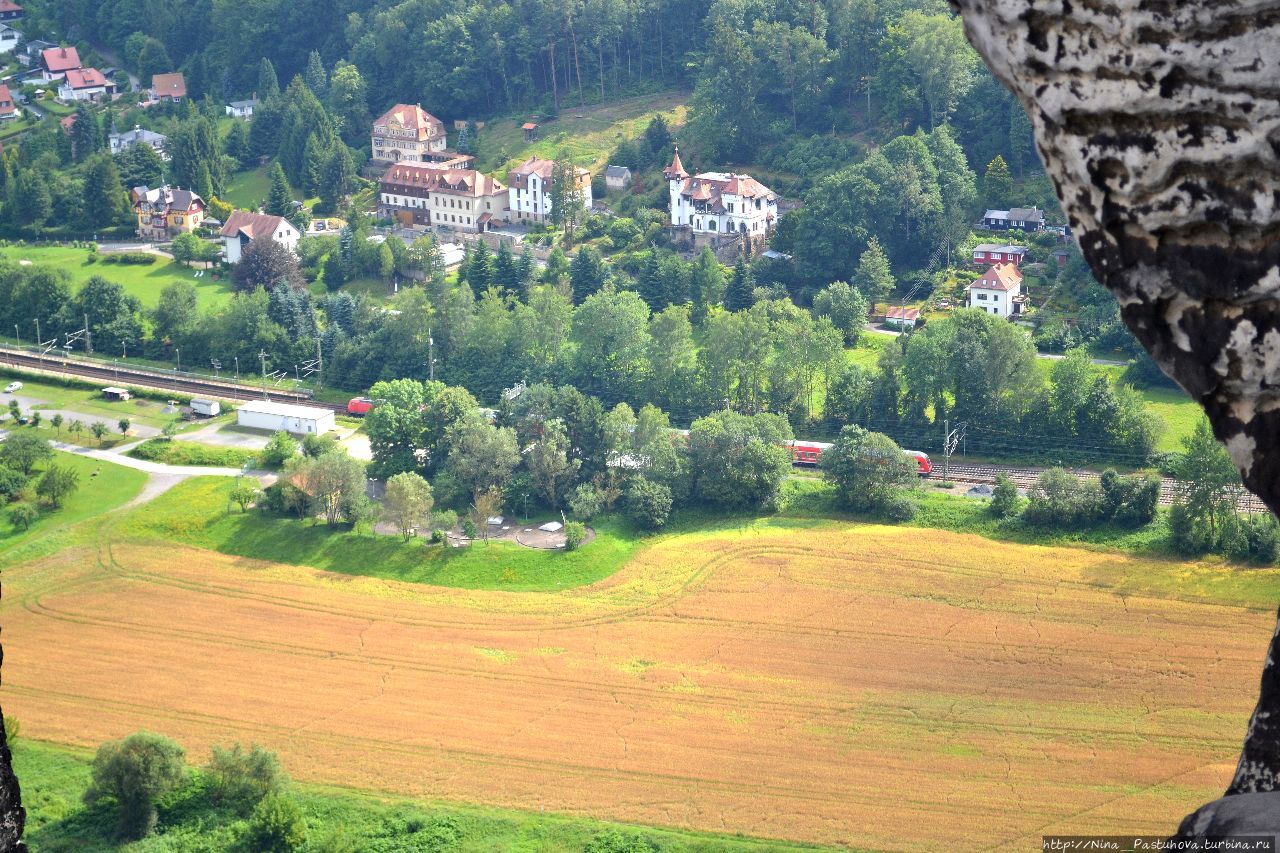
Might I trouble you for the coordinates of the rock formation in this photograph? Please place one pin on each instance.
(1159, 124)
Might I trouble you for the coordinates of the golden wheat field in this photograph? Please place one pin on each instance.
(860, 685)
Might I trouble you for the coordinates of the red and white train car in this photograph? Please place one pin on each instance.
(808, 453)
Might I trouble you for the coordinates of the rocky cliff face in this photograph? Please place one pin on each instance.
(1159, 124)
(12, 816)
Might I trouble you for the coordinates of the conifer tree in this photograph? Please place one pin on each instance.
(480, 273)
(280, 201)
(738, 295)
(268, 83)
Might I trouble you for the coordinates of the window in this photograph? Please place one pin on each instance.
(982, 296)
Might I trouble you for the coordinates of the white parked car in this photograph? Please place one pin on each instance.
(12, 386)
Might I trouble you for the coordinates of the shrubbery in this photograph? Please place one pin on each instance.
(1005, 500)
(279, 450)
(648, 504)
(128, 258)
(134, 773)
(276, 825)
(240, 780)
(575, 533)
(190, 453)
(1061, 499)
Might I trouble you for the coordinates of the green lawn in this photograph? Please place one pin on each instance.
(247, 189)
(103, 487)
(54, 779)
(195, 513)
(1178, 411)
(144, 282)
(90, 401)
(589, 134)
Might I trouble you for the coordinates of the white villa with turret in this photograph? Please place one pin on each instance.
(720, 202)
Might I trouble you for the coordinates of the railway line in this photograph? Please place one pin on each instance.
(179, 383)
(1025, 478)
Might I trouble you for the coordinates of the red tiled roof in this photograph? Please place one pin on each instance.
(9, 6)
(711, 187)
(85, 78)
(67, 122)
(6, 100)
(902, 314)
(676, 169)
(438, 177)
(58, 59)
(1003, 277)
(172, 85)
(250, 224)
(411, 117)
(528, 125)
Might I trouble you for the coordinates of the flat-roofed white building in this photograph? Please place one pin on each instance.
(290, 417)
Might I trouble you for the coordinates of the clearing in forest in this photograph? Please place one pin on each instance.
(854, 684)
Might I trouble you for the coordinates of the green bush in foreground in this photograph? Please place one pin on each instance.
(134, 773)
(276, 826)
(240, 780)
(191, 453)
(574, 534)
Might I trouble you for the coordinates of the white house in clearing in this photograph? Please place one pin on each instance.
(720, 202)
(530, 189)
(999, 291)
(242, 227)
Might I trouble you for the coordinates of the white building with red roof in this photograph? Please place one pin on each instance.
(85, 84)
(55, 62)
(442, 194)
(998, 291)
(170, 87)
(8, 110)
(530, 193)
(407, 132)
(242, 227)
(720, 202)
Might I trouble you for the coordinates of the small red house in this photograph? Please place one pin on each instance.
(989, 254)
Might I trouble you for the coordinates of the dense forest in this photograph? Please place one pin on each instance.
(797, 85)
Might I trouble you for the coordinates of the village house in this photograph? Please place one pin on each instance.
(991, 253)
(243, 109)
(720, 202)
(85, 84)
(9, 11)
(8, 110)
(530, 189)
(55, 62)
(1022, 218)
(442, 194)
(168, 88)
(407, 132)
(164, 213)
(998, 291)
(901, 317)
(120, 141)
(8, 38)
(242, 227)
(617, 178)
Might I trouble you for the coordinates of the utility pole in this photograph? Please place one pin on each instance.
(946, 457)
(237, 358)
(319, 364)
(88, 336)
(431, 355)
(262, 354)
(39, 337)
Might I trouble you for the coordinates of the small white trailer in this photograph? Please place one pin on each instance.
(292, 418)
(205, 408)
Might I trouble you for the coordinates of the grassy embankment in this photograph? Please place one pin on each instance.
(54, 779)
(588, 134)
(142, 281)
(103, 487)
(195, 513)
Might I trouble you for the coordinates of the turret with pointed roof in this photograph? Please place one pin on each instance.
(675, 171)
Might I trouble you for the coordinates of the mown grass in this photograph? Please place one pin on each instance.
(142, 281)
(1177, 411)
(196, 513)
(103, 487)
(587, 134)
(54, 779)
(88, 401)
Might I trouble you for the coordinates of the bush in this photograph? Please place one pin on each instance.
(1250, 539)
(648, 504)
(11, 484)
(1187, 535)
(1130, 500)
(134, 773)
(240, 780)
(129, 258)
(442, 522)
(898, 508)
(585, 502)
(1061, 499)
(316, 446)
(1005, 500)
(279, 450)
(574, 534)
(191, 453)
(276, 826)
(613, 841)
(23, 515)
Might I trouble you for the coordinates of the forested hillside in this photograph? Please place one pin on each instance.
(800, 86)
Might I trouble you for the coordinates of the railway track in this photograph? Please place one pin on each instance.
(179, 383)
(1025, 478)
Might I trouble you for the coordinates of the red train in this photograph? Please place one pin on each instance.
(808, 453)
(359, 406)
